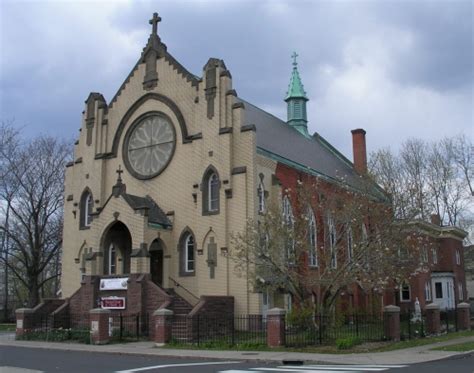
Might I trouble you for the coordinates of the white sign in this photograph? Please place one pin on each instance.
(112, 303)
(114, 283)
(19, 324)
(94, 326)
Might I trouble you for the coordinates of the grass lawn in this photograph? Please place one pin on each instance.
(461, 347)
(327, 349)
(423, 341)
(7, 327)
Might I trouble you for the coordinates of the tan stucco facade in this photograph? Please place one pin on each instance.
(217, 141)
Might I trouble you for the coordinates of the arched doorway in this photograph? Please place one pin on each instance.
(117, 247)
(157, 249)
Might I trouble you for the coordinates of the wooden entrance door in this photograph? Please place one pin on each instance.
(156, 266)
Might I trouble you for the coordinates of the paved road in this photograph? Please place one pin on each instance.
(32, 360)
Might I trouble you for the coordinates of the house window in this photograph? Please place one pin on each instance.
(112, 257)
(289, 221)
(312, 252)
(460, 291)
(350, 244)
(434, 253)
(428, 291)
(187, 254)
(458, 257)
(424, 255)
(86, 209)
(261, 197)
(332, 241)
(405, 293)
(210, 192)
(438, 290)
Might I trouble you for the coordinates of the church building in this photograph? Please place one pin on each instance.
(166, 172)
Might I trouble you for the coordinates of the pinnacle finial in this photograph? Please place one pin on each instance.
(154, 22)
(119, 173)
(294, 55)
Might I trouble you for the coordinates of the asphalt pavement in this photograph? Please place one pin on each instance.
(40, 356)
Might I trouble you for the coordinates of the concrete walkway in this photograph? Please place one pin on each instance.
(405, 356)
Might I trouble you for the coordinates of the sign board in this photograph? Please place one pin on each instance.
(112, 303)
(114, 283)
(94, 326)
(19, 324)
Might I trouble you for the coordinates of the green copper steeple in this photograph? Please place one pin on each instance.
(296, 101)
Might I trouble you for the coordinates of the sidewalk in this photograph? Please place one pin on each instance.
(407, 356)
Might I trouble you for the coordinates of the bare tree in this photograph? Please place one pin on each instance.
(31, 189)
(336, 238)
(426, 178)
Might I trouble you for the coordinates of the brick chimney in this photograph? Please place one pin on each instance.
(359, 150)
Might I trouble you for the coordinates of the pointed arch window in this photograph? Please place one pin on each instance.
(350, 244)
(289, 222)
(210, 192)
(112, 259)
(261, 197)
(86, 209)
(312, 251)
(187, 254)
(332, 241)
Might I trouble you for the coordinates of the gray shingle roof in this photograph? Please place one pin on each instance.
(314, 155)
(155, 213)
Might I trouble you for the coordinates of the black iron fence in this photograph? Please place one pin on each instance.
(219, 330)
(61, 327)
(76, 327)
(412, 324)
(328, 329)
(128, 327)
(448, 320)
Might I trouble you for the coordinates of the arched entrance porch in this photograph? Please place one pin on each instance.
(117, 247)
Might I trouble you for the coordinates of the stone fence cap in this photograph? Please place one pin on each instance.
(391, 308)
(163, 312)
(432, 306)
(24, 310)
(99, 310)
(464, 305)
(276, 312)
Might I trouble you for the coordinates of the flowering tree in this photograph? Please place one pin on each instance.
(333, 239)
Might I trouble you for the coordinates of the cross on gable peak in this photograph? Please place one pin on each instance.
(154, 22)
(119, 172)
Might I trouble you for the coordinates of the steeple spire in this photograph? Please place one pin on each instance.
(296, 101)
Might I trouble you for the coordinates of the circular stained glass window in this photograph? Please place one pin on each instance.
(149, 145)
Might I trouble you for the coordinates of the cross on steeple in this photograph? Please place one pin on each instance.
(294, 55)
(154, 21)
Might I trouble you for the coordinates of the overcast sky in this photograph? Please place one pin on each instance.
(398, 69)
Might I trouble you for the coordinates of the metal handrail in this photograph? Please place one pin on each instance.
(178, 285)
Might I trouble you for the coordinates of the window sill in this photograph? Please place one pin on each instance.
(207, 213)
(187, 274)
(85, 227)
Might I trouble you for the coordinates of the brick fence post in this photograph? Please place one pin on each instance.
(163, 324)
(392, 322)
(276, 327)
(99, 326)
(463, 316)
(433, 322)
(24, 320)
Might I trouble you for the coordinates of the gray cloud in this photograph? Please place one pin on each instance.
(398, 69)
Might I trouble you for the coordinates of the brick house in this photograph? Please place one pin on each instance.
(169, 169)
